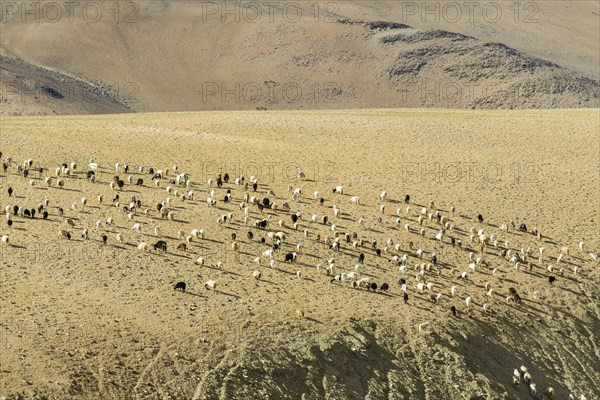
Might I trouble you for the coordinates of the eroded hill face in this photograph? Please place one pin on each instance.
(83, 319)
(544, 29)
(217, 55)
(32, 90)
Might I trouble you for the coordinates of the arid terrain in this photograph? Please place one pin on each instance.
(85, 320)
(157, 56)
(410, 209)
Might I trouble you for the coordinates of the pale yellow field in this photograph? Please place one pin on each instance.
(81, 319)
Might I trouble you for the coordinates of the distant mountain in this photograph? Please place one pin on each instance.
(182, 56)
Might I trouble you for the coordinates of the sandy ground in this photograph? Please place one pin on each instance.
(80, 319)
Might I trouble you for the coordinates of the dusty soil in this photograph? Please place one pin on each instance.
(84, 320)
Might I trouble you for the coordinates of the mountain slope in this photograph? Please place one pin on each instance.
(182, 57)
(32, 90)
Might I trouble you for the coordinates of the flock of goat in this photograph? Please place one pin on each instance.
(272, 223)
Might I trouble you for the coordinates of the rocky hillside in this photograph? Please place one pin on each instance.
(349, 57)
(33, 90)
